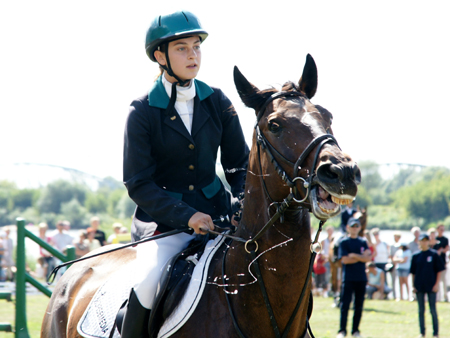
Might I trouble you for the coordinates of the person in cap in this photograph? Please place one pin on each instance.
(354, 253)
(426, 269)
(171, 142)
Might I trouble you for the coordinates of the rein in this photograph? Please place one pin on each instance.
(264, 144)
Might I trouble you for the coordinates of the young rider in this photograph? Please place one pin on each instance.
(172, 137)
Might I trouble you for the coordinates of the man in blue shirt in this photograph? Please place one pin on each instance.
(354, 253)
(426, 269)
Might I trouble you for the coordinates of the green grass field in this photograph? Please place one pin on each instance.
(387, 319)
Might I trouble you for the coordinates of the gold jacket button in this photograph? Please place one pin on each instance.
(191, 146)
(191, 167)
(191, 188)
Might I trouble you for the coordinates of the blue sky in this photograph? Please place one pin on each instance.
(70, 69)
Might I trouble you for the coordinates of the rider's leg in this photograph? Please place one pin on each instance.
(151, 260)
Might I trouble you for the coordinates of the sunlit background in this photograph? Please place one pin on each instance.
(69, 70)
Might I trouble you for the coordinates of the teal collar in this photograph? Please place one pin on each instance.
(157, 96)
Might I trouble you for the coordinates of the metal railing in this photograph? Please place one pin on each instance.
(22, 277)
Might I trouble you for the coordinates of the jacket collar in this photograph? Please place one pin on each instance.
(157, 96)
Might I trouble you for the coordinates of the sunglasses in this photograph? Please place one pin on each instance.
(354, 225)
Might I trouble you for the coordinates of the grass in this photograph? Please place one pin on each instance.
(387, 319)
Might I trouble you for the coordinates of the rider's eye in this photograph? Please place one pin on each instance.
(274, 127)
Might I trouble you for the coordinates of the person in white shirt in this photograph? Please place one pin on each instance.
(61, 239)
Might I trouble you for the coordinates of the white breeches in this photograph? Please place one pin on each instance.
(151, 260)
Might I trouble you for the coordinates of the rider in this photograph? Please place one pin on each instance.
(172, 137)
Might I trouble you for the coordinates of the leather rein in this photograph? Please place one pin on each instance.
(281, 207)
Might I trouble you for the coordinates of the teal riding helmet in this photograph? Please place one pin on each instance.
(174, 26)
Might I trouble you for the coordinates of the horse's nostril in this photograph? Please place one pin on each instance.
(329, 173)
(337, 171)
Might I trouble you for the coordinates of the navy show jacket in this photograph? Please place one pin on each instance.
(171, 174)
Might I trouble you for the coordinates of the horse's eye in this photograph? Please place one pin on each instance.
(274, 127)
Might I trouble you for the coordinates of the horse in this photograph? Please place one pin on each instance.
(259, 282)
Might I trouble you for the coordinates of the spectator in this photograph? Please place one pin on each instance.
(346, 214)
(99, 234)
(426, 268)
(382, 256)
(375, 284)
(373, 250)
(66, 226)
(442, 248)
(81, 248)
(91, 242)
(2, 252)
(354, 253)
(402, 259)
(392, 250)
(49, 260)
(326, 253)
(432, 235)
(61, 239)
(336, 266)
(116, 228)
(319, 274)
(8, 261)
(414, 245)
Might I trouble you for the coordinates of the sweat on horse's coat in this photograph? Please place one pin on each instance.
(289, 125)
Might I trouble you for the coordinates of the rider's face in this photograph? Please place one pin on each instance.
(185, 58)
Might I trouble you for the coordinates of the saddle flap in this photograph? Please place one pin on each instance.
(174, 281)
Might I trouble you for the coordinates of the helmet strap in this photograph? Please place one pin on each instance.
(168, 69)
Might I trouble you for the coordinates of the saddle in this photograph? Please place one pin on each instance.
(173, 283)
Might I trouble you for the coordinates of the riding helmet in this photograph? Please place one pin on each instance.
(174, 26)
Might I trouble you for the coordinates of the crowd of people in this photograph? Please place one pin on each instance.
(88, 239)
(355, 264)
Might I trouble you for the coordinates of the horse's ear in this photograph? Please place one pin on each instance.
(308, 81)
(248, 92)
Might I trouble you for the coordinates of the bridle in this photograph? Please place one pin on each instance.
(281, 207)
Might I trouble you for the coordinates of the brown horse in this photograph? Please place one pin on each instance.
(295, 167)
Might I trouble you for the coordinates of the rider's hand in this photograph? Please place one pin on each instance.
(201, 222)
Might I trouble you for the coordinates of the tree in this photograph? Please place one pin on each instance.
(74, 212)
(59, 192)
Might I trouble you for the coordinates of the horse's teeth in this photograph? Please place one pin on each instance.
(340, 201)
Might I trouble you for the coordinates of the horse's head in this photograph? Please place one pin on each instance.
(299, 145)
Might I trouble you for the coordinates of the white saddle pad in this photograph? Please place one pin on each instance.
(98, 318)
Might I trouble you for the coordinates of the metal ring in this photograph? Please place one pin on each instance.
(314, 246)
(305, 185)
(250, 241)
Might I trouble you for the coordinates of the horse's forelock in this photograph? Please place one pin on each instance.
(290, 86)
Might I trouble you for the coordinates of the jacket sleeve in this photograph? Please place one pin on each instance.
(138, 171)
(234, 149)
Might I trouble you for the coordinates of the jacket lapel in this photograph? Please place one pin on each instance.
(174, 121)
(201, 115)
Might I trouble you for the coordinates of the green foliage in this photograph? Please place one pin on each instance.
(414, 196)
(429, 200)
(63, 200)
(59, 192)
